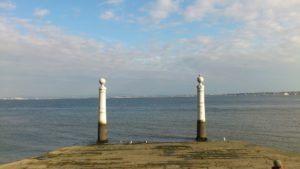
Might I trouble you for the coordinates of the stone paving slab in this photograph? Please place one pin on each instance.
(202, 155)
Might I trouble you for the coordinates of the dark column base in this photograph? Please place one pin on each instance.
(102, 133)
(201, 139)
(201, 131)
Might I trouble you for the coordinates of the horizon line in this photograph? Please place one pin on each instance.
(152, 96)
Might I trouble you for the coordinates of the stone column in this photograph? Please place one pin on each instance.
(201, 124)
(102, 122)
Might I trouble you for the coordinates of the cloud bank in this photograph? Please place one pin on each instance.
(7, 5)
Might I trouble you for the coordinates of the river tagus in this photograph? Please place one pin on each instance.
(33, 127)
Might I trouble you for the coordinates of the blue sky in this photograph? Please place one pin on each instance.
(55, 48)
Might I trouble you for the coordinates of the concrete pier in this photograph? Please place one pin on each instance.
(102, 121)
(208, 155)
(201, 123)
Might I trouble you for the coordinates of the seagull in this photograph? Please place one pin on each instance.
(224, 138)
(130, 142)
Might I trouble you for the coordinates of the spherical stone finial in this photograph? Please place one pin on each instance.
(102, 81)
(200, 79)
(277, 163)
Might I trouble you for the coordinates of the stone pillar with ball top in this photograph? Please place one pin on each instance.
(102, 122)
(201, 123)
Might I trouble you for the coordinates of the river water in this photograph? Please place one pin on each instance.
(33, 127)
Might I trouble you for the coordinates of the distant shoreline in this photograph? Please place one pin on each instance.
(286, 93)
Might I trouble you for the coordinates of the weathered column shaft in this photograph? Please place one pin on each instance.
(201, 122)
(102, 122)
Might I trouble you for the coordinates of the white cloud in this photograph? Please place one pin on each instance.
(7, 5)
(46, 57)
(108, 15)
(246, 10)
(49, 50)
(114, 2)
(41, 12)
(199, 9)
(215, 11)
(161, 9)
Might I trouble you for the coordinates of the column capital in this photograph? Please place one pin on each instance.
(102, 81)
(200, 79)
